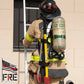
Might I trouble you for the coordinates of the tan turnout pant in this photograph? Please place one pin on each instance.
(53, 65)
(52, 80)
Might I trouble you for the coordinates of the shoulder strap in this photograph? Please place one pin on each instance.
(49, 28)
(41, 25)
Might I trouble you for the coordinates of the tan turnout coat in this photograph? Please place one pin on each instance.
(35, 32)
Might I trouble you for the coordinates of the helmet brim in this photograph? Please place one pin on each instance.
(51, 16)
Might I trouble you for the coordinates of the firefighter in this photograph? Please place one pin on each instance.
(57, 71)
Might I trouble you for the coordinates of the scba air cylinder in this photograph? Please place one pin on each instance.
(59, 34)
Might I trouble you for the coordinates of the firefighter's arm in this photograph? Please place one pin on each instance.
(29, 35)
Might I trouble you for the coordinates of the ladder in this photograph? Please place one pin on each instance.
(25, 49)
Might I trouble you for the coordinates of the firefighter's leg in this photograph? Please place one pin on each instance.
(31, 79)
(32, 69)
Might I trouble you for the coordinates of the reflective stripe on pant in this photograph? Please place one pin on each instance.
(33, 66)
(37, 58)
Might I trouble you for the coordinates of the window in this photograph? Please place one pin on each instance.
(18, 34)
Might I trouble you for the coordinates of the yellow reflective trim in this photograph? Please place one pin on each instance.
(53, 59)
(40, 40)
(56, 59)
(49, 40)
(64, 60)
(37, 58)
(29, 38)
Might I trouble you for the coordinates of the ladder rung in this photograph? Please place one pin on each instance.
(32, 8)
(27, 24)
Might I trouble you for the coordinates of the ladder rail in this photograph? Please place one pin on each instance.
(25, 50)
(34, 8)
(24, 15)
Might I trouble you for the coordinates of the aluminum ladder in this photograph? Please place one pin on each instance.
(25, 49)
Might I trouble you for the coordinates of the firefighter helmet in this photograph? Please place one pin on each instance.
(49, 9)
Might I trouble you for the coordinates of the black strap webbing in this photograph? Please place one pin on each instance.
(31, 73)
(57, 73)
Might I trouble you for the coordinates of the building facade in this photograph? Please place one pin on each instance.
(73, 12)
